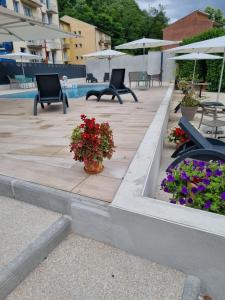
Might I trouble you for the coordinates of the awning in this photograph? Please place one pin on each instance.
(17, 27)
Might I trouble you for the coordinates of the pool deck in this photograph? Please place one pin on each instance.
(36, 149)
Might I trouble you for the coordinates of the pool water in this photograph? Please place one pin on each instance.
(74, 92)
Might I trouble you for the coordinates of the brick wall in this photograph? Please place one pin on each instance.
(193, 24)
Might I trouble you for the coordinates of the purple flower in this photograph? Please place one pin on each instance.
(186, 162)
(182, 201)
(190, 200)
(195, 163)
(222, 196)
(184, 190)
(218, 172)
(163, 182)
(184, 176)
(201, 188)
(206, 181)
(173, 201)
(170, 178)
(166, 189)
(194, 190)
(208, 172)
(207, 204)
(201, 164)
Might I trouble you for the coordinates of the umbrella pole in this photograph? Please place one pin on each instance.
(221, 78)
(193, 77)
(143, 57)
(22, 66)
(109, 65)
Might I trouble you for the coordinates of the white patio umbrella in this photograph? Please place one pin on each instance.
(21, 56)
(105, 54)
(17, 27)
(215, 45)
(145, 43)
(195, 56)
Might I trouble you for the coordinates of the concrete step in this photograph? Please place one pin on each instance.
(28, 234)
(81, 268)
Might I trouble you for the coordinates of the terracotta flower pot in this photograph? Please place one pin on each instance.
(189, 112)
(93, 167)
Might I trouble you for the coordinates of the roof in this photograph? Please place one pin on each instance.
(187, 16)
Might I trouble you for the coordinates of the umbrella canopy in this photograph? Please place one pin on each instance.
(17, 27)
(105, 54)
(21, 56)
(145, 43)
(195, 56)
(215, 45)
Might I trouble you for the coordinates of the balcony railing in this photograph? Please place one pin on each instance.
(32, 3)
(51, 8)
(54, 45)
(35, 44)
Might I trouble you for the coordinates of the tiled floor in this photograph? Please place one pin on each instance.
(36, 148)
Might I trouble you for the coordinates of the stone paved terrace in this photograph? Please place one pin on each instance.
(36, 149)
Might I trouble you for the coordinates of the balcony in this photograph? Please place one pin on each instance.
(54, 45)
(34, 44)
(52, 8)
(66, 45)
(32, 3)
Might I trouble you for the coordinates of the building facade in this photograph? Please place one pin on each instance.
(195, 23)
(45, 11)
(91, 39)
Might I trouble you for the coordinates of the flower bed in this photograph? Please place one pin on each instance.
(197, 184)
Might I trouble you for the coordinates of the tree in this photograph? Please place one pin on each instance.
(215, 15)
(123, 20)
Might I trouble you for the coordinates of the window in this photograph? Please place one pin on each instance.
(76, 45)
(49, 19)
(80, 45)
(75, 32)
(27, 11)
(81, 57)
(16, 6)
(44, 18)
(77, 57)
(79, 32)
(22, 49)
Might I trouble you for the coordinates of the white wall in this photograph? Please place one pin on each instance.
(150, 63)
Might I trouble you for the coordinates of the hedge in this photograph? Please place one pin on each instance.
(208, 70)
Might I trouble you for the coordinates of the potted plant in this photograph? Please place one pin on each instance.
(177, 136)
(90, 143)
(197, 184)
(189, 105)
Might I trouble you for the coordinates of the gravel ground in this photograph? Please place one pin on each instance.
(20, 223)
(84, 269)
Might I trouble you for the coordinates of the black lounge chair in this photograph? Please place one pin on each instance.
(198, 147)
(106, 77)
(49, 91)
(116, 87)
(91, 78)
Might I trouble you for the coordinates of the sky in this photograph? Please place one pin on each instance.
(176, 9)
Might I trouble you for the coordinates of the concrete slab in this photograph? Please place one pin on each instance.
(81, 268)
(20, 223)
(35, 149)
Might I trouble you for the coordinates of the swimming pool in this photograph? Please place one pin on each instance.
(73, 92)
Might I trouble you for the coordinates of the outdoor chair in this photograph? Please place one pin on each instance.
(198, 147)
(13, 82)
(156, 77)
(138, 77)
(91, 78)
(106, 77)
(25, 82)
(115, 89)
(49, 91)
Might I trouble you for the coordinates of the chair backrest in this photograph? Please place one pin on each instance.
(48, 85)
(106, 76)
(136, 76)
(89, 76)
(117, 78)
(194, 135)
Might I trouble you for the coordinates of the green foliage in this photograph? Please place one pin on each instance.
(216, 15)
(189, 100)
(205, 70)
(123, 20)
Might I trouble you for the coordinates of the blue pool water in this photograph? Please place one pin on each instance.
(74, 92)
